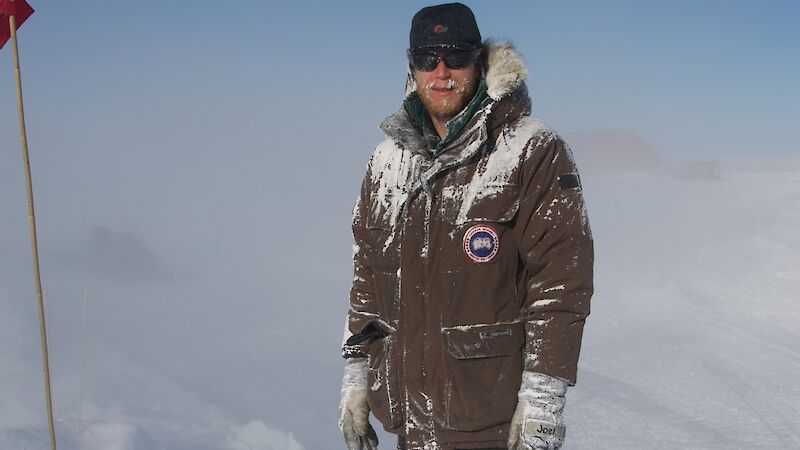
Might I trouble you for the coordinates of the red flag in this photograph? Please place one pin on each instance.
(19, 8)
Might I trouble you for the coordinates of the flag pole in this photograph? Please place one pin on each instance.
(12, 22)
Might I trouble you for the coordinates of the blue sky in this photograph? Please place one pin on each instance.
(709, 76)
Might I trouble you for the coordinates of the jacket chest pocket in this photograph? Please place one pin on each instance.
(487, 203)
(383, 221)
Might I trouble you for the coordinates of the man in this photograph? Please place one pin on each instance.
(472, 257)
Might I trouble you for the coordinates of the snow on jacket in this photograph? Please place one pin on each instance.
(468, 268)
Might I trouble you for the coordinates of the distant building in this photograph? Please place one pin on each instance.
(613, 152)
(698, 170)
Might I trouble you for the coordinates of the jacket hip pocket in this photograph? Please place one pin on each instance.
(483, 368)
(382, 386)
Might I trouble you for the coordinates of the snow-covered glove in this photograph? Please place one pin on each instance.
(538, 421)
(353, 409)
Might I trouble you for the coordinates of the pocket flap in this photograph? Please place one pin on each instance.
(491, 203)
(484, 340)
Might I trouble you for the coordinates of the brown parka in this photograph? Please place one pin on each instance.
(469, 267)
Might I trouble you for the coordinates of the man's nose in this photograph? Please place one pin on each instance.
(441, 70)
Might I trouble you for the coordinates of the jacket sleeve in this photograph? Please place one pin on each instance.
(556, 246)
(362, 294)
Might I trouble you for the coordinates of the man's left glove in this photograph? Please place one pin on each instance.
(353, 409)
(538, 422)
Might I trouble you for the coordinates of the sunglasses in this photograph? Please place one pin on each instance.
(426, 62)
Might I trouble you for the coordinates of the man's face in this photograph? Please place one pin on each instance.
(444, 91)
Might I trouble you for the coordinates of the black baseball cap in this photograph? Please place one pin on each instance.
(449, 27)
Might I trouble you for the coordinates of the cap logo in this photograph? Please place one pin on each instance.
(439, 28)
(481, 243)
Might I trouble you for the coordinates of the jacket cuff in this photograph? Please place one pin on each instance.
(355, 345)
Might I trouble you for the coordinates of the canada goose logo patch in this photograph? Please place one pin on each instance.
(481, 243)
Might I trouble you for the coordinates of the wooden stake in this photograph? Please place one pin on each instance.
(12, 23)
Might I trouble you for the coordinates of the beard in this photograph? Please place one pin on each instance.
(444, 109)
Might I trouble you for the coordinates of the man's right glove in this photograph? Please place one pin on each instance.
(538, 421)
(353, 409)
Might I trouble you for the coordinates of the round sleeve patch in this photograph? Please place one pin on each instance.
(481, 243)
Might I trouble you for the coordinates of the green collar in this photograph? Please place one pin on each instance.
(416, 110)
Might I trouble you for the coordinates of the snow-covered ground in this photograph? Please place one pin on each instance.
(692, 341)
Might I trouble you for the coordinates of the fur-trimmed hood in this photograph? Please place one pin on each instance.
(508, 99)
(504, 70)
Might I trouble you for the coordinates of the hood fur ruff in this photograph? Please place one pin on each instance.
(504, 70)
